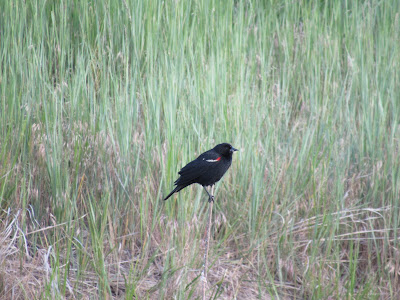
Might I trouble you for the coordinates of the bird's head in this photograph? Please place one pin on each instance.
(225, 149)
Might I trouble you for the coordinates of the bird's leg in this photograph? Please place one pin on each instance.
(210, 197)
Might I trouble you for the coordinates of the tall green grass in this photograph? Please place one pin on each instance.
(103, 102)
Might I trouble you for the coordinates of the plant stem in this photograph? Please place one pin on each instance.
(207, 240)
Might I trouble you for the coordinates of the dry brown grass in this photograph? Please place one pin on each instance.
(26, 272)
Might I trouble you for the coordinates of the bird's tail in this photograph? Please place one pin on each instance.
(176, 189)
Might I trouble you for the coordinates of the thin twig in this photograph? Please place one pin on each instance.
(204, 273)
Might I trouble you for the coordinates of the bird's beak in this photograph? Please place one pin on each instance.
(233, 150)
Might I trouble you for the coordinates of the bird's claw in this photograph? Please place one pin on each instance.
(211, 199)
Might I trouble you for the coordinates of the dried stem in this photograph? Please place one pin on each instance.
(207, 241)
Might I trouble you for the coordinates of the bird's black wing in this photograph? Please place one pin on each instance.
(193, 170)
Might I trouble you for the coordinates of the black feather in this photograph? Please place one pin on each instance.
(205, 170)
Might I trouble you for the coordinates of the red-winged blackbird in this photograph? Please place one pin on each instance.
(206, 170)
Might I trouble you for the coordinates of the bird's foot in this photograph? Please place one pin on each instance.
(211, 199)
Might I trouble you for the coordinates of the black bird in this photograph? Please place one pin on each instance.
(205, 170)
